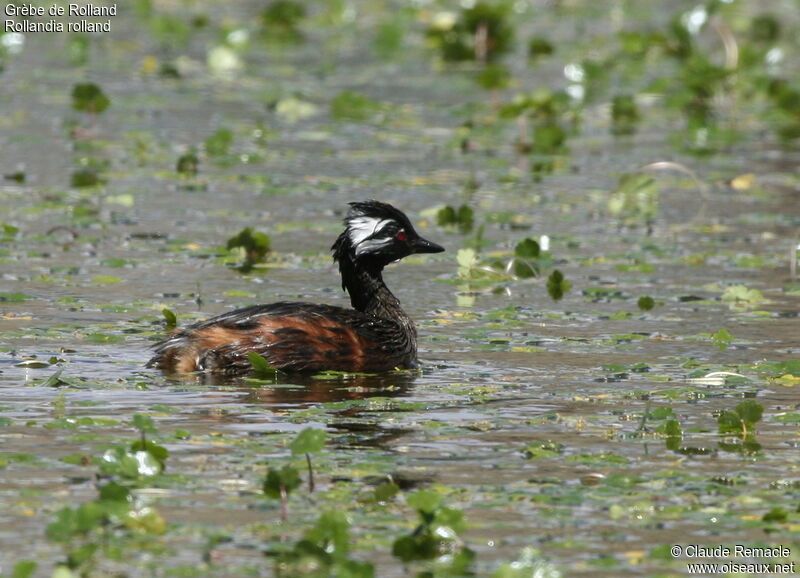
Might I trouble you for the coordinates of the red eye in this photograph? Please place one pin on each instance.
(401, 236)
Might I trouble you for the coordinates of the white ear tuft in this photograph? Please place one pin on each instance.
(361, 228)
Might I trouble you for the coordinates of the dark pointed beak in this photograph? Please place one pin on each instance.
(421, 245)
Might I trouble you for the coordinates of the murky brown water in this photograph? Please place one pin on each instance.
(494, 379)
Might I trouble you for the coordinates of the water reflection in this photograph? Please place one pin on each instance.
(302, 391)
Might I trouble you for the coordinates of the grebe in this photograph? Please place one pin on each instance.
(376, 335)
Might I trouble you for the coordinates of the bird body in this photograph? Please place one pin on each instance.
(375, 336)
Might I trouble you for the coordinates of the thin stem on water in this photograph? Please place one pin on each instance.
(284, 504)
(482, 43)
(310, 474)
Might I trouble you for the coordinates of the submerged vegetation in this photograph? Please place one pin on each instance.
(609, 352)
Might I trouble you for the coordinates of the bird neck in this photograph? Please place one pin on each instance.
(370, 295)
(368, 292)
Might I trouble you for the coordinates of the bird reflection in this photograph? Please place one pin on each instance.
(303, 391)
(299, 391)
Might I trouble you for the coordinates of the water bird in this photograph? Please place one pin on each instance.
(376, 335)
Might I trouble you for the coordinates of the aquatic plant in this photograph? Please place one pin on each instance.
(323, 551)
(482, 32)
(635, 200)
(279, 483)
(188, 164)
(539, 48)
(463, 217)
(219, 143)
(90, 98)
(250, 247)
(354, 106)
(645, 303)
(281, 20)
(309, 441)
(557, 285)
(436, 537)
(115, 518)
(742, 419)
(545, 120)
(624, 115)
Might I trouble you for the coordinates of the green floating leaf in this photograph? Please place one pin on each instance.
(144, 423)
(386, 491)
(739, 295)
(791, 417)
(780, 368)
(261, 367)
(549, 138)
(493, 77)
(729, 421)
(672, 427)
(188, 164)
(24, 569)
(114, 492)
(389, 37)
(745, 445)
(86, 177)
(14, 297)
(170, 319)
(646, 303)
(78, 46)
(308, 441)
(673, 432)
(106, 279)
(750, 411)
(416, 547)
(778, 515)
(635, 201)
(487, 21)
(287, 478)
(131, 463)
(539, 48)
(114, 262)
(467, 260)
(436, 534)
(525, 269)
(75, 522)
(159, 453)
(354, 106)
(745, 415)
(55, 380)
(65, 526)
(324, 551)
(90, 98)
(103, 338)
(722, 338)
(255, 244)
(16, 176)
(527, 249)
(624, 114)
(462, 217)
(282, 18)
(542, 449)
(7, 233)
(219, 143)
(425, 501)
(332, 531)
(557, 286)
